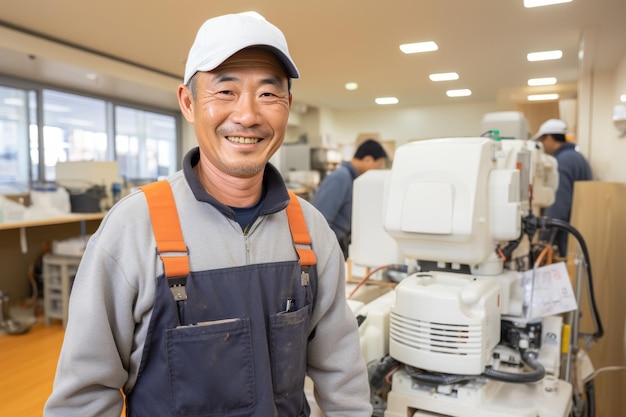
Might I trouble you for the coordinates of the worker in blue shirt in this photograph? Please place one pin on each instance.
(572, 167)
(334, 195)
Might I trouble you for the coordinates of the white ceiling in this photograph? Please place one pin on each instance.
(332, 42)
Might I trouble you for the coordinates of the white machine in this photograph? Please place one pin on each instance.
(459, 337)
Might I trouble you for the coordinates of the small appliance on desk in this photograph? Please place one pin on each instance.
(87, 183)
(87, 200)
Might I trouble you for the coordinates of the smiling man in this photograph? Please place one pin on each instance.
(230, 321)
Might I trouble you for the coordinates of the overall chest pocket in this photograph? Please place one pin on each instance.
(211, 368)
(288, 341)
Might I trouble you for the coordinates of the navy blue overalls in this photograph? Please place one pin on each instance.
(227, 342)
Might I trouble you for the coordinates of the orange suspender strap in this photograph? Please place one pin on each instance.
(171, 247)
(299, 231)
(169, 236)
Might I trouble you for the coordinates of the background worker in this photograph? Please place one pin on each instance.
(572, 167)
(334, 195)
(253, 323)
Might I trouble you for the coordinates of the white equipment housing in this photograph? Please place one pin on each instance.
(452, 201)
(448, 201)
(509, 124)
(371, 244)
(550, 397)
(445, 322)
(538, 171)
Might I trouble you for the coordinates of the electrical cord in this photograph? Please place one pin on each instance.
(436, 378)
(392, 267)
(366, 278)
(590, 393)
(548, 253)
(530, 358)
(533, 223)
(560, 224)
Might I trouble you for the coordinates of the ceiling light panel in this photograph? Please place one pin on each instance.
(463, 92)
(544, 55)
(542, 97)
(414, 48)
(351, 86)
(539, 3)
(386, 100)
(444, 76)
(542, 81)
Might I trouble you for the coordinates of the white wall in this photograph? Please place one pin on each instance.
(406, 124)
(601, 141)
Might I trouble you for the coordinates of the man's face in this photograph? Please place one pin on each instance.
(240, 111)
(549, 144)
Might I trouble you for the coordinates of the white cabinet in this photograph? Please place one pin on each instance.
(58, 275)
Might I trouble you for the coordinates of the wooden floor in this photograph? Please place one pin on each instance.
(27, 365)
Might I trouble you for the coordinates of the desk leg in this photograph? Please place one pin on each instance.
(23, 240)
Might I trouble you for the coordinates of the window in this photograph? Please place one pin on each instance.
(14, 141)
(145, 143)
(40, 127)
(74, 130)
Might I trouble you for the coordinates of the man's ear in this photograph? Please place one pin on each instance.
(185, 101)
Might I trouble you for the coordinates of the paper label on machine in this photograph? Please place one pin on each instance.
(548, 291)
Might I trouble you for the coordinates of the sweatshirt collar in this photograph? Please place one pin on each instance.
(275, 199)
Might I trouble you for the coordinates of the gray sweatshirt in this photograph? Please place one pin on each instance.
(113, 294)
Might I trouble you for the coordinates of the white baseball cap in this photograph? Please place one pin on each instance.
(551, 127)
(221, 37)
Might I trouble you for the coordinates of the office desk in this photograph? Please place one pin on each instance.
(22, 243)
(70, 218)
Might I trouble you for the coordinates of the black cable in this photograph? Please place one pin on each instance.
(560, 224)
(511, 246)
(532, 223)
(377, 370)
(591, 398)
(435, 377)
(530, 358)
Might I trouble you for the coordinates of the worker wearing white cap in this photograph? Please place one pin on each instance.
(257, 307)
(572, 167)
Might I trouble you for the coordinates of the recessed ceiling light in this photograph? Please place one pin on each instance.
(351, 86)
(538, 3)
(544, 56)
(622, 98)
(541, 81)
(541, 97)
(459, 93)
(444, 76)
(386, 100)
(413, 48)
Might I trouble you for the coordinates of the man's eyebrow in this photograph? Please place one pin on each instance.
(273, 80)
(276, 81)
(225, 77)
